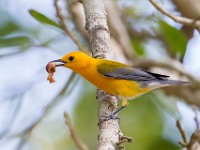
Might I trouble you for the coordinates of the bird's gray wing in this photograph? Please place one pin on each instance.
(129, 73)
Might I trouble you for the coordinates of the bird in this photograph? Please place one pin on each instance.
(115, 78)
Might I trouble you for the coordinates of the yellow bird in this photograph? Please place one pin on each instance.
(113, 77)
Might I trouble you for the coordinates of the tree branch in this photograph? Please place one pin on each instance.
(183, 143)
(96, 24)
(77, 140)
(77, 15)
(191, 11)
(194, 142)
(183, 20)
(194, 108)
(77, 12)
(64, 27)
(118, 29)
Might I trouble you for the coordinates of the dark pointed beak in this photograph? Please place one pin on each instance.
(60, 62)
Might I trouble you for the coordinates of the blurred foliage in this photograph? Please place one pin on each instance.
(86, 116)
(167, 104)
(15, 41)
(174, 38)
(143, 119)
(138, 47)
(8, 27)
(12, 35)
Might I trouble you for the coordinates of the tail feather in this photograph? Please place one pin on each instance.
(154, 80)
(163, 83)
(170, 82)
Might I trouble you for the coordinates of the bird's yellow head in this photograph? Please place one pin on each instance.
(75, 60)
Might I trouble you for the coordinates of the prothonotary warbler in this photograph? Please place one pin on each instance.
(113, 77)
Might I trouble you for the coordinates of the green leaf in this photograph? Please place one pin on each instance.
(174, 38)
(42, 18)
(14, 41)
(138, 47)
(8, 28)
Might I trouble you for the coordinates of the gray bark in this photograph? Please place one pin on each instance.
(100, 46)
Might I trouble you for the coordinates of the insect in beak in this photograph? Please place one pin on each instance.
(61, 62)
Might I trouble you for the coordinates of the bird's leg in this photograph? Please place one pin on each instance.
(113, 114)
(124, 104)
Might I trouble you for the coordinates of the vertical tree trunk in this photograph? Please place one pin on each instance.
(96, 24)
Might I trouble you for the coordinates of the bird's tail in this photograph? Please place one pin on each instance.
(164, 83)
(171, 82)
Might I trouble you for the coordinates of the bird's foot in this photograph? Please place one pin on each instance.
(106, 118)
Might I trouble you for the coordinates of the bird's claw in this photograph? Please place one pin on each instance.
(106, 118)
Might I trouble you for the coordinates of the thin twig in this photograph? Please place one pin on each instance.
(77, 140)
(64, 26)
(194, 108)
(193, 143)
(119, 30)
(12, 119)
(23, 141)
(183, 20)
(183, 134)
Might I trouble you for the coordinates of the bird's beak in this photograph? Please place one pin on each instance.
(60, 62)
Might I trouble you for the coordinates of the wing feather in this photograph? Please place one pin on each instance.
(121, 71)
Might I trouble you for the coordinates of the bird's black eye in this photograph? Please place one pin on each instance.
(71, 58)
